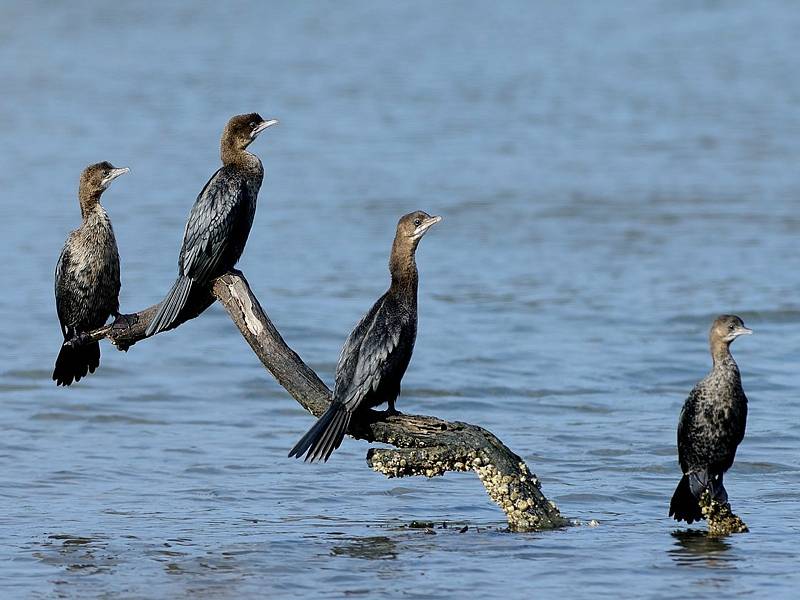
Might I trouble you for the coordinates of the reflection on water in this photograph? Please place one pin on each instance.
(694, 547)
(369, 548)
(77, 554)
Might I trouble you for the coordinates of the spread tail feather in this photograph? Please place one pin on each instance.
(171, 307)
(325, 435)
(74, 362)
(684, 506)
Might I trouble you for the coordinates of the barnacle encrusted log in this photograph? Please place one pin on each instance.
(719, 516)
(425, 445)
(512, 486)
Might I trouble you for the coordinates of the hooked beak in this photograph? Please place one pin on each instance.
(737, 332)
(262, 126)
(113, 174)
(424, 226)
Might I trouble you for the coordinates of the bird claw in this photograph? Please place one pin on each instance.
(121, 322)
(78, 339)
(121, 325)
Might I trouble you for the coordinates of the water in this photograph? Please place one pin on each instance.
(612, 175)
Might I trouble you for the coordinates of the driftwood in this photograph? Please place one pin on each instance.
(424, 445)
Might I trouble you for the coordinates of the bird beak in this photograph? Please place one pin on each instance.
(262, 126)
(113, 174)
(424, 226)
(742, 331)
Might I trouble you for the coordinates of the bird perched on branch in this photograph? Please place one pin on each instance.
(377, 352)
(87, 277)
(220, 220)
(711, 425)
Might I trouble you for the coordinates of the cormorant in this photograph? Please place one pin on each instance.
(220, 220)
(711, 425)
(376, 354)
(87, 277)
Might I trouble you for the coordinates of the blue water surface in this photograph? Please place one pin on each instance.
(611, 174)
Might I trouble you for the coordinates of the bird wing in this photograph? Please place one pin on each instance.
(740, 420)
(64, 304)
(366, 353)
(210, 225)
(684, 424)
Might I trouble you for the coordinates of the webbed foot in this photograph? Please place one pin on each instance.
(121, 322)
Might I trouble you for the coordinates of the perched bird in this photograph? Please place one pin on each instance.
(376, 354)
(711, 425)
(87, 277)
(220, 220)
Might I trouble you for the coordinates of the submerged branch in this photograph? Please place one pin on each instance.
(425, 445)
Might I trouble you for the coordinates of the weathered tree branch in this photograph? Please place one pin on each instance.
(425, 445)
(126, 330)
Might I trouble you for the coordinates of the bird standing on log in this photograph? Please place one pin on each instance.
(87, 277)
(377, 352)
(219, 222)
(711, 425)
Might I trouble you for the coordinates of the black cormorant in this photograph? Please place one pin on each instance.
(87, 277)
(711, 425)
(220, 220)
(376, 354)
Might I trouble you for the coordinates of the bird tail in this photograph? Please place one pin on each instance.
(74, 362)
(685, 506)
(325, 435)
(171, 306)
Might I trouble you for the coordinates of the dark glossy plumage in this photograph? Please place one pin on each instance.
(215, 235)
(87, 277)
(219, 222)
(711, 426)
(377, 352)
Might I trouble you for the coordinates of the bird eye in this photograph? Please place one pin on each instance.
(732, 326)
(417, 222)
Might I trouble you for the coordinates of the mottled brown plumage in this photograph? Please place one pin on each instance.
(87, 280)
(711, 425)
(377, 352)
(219, 222)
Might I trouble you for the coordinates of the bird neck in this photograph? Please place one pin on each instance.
(90, 203)
(721, 355)
(232, 154)
(403, 267)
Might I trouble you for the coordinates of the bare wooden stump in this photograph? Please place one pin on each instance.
(424, 445)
